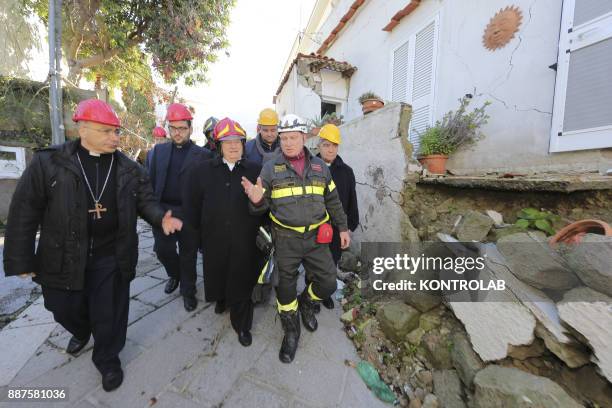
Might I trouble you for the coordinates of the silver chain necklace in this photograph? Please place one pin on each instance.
(98, 209)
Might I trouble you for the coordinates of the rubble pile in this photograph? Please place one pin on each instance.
(545, 339)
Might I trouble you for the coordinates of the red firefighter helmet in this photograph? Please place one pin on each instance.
(95, 110)
(159, 132)
(178, 111)
(228, 129)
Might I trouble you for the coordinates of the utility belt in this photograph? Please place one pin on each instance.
(301, 230)
(322, 229)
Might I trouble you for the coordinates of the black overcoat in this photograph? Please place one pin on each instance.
(214, 201)
(51, 194)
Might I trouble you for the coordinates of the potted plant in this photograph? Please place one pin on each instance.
(370, 102)
(456, 129)
(315, 125)
(332, 118)
(434, 150)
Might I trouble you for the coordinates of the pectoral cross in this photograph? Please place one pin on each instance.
(99, 209)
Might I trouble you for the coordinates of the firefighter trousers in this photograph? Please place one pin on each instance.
(293, 249)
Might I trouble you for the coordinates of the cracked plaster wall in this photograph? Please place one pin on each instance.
(304, 91)
(516, 78)
(375, 147)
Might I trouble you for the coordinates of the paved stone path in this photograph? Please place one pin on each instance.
(178, 359)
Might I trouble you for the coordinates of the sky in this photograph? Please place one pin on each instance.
(261, 35)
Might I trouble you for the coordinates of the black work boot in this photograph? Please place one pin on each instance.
(307, 310)
(328, 303)
(291, 327)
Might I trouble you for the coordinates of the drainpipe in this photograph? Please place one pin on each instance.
(55, 85)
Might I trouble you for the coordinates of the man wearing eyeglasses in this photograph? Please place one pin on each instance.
(167, 164)
(85, 196)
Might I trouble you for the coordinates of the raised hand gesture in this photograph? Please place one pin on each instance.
(255, 191)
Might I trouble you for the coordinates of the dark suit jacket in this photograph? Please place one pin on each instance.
(158, 160)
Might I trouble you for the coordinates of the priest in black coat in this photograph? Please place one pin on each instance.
(214, 202)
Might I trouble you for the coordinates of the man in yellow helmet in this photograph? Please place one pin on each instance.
(343, 176)
(265, 145)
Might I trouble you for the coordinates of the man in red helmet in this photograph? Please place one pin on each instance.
(169, 162)
(216, 205)
(85, 196)
(159, 137)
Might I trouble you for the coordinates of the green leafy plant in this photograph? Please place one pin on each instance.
(359, 337)
(368, 95)
(370, 308)
(319, 121)
(411, 349)
(315, 122)
(456, 129)
(332, 118)
(536, 219)
(121, 40)
(433, 142)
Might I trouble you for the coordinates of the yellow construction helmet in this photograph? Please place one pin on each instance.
(330, 132)
(268, 117)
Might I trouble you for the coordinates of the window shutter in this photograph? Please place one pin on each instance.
(582, 113)
(422, 82)
(399, 87)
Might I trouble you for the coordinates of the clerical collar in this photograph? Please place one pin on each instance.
(93, 154)
(230, 165)
(180, 146)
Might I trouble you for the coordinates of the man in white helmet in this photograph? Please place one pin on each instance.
(297, 189)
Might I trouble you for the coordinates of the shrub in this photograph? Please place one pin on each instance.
(456, 129)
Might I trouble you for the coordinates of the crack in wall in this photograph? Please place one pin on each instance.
(383, 191)
(520, 41)
(515, 107)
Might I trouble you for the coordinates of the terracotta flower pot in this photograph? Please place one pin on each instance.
(315, 131)
(573, 233)
(434, 163)
(370, 105)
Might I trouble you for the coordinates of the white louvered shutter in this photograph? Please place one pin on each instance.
(399, 87)
(422, 80)
(582, 113)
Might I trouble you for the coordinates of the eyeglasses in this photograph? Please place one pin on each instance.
(107, 132)
(181, 129)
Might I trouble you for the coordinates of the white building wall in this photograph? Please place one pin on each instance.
(299, 98)
(516, 78)
(307, 102)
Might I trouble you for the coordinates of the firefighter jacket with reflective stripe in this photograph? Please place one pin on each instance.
(300, 203)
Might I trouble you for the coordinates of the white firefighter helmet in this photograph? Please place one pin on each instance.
(292, 123)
